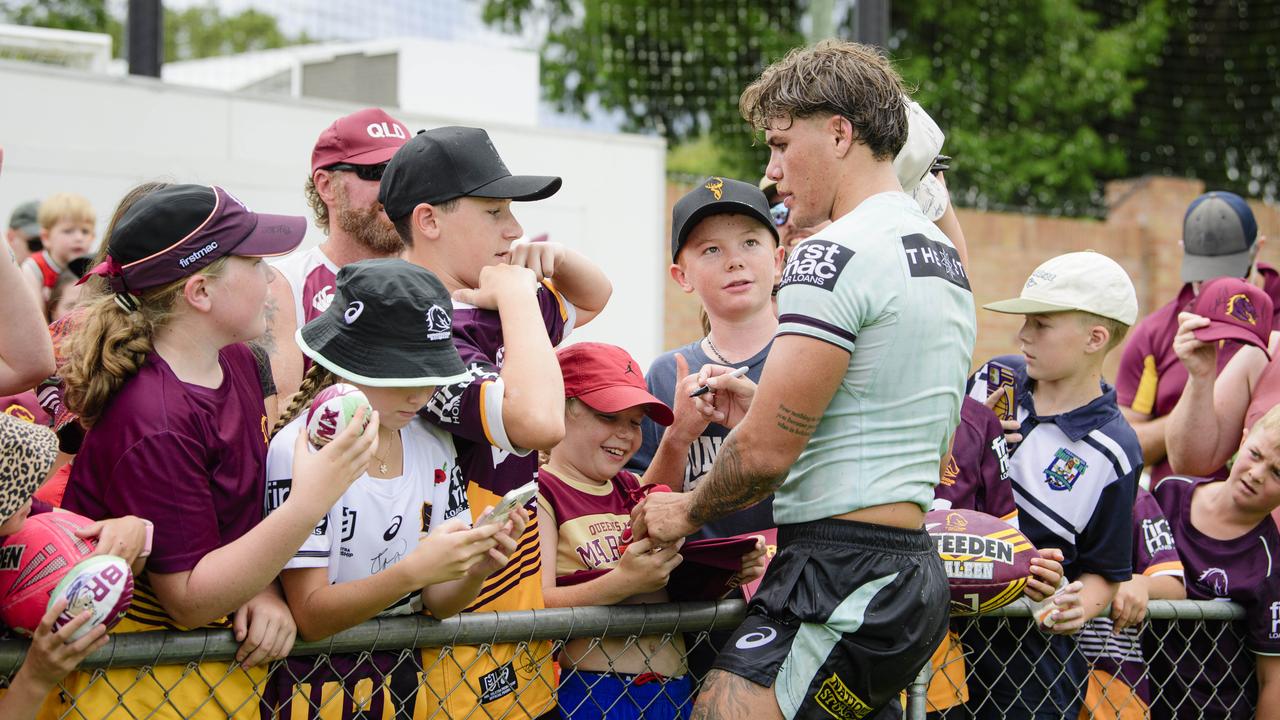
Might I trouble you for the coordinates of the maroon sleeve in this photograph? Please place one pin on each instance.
(1154, 552)
(1132, 363)
(993, 468)
(163, 479)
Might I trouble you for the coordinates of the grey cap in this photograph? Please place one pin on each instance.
(1218, 234)
(26, 218)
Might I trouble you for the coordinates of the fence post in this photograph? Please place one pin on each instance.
(918, 694)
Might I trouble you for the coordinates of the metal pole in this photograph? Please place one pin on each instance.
(873, 22)
(144, 37)
(918, 693)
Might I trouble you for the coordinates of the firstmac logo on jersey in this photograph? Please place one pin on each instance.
(817, 263)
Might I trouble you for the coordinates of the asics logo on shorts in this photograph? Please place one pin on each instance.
(353, 312)
(756, 639)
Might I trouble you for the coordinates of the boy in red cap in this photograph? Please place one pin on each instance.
(346, 167)
(585, 501)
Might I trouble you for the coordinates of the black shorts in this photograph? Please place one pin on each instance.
(845, 618)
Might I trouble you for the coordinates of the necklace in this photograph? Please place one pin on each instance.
(382, 461)
(723, 360)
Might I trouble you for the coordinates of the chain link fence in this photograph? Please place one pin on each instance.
(646, 661)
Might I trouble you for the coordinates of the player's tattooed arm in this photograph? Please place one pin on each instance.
(795, 422)
(725, 696)
(731, 486)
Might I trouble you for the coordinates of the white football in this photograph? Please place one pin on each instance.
(101, 584)
(331, 410)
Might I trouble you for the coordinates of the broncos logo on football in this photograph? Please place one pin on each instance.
(716, 186)
(1240, 307)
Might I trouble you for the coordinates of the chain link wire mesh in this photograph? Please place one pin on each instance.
(647, 661)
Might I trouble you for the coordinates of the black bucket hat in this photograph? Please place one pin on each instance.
(390, 325)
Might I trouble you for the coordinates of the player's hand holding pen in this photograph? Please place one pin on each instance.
(724, 393)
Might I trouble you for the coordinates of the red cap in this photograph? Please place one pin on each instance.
(608, 379)
(1236, 311)
(365, 137)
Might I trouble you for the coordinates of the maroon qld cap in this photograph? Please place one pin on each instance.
(1236, 311)
(365, 137)
(176, 231)
(608, 379)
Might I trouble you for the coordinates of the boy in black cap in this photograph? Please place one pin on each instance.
(449, 195)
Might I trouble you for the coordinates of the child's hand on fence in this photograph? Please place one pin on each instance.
(51, 657)
(1068, 616)
(752, 564)
(646, 568)
(449, 552)
(1046, 573)
(507, 539)
(265, 629)
(1129, 606)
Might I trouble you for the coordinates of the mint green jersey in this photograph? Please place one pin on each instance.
(886, 285)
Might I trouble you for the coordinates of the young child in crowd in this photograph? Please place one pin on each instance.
(66, 230)
(724, 249)
(177, 434)
(1227, 540)
(1118, 682)
(399, 539)
(1075, 464)
(450, 197)
(585, 500)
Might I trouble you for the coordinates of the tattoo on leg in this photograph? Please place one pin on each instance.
(730, 486)
(794, 422)
(725, 696)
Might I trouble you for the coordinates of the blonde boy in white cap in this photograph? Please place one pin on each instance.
(1074, 462)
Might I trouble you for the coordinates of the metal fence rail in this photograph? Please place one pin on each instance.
(381, 670)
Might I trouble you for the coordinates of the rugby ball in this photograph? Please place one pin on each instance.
(103, 585)
(331, 410)
(32, 563)
(988, 562)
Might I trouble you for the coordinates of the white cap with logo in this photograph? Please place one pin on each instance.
(1087, 281)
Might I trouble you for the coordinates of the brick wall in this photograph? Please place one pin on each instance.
(1141, 232)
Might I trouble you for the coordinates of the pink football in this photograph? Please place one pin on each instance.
(988, 562)
(102, 585)
(32, 563)
(331, 410)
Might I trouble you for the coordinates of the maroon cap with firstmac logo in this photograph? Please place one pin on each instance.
(176, 231)
(608, 379)
(1236, 311)
(365, 137)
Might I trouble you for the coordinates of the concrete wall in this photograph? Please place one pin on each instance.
(1142, 232)
(100, 135)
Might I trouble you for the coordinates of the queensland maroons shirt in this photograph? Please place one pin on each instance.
(589, 518)
(886, 286)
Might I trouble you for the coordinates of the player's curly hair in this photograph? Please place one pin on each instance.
(316, 379)
(109, 344)
(834, 77)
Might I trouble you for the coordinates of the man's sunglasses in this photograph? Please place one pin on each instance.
(780, 213)
(372, 173)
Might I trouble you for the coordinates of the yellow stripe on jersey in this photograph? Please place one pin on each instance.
(484, 414)
(1144, 400)
(564, 312)
(1164, 567)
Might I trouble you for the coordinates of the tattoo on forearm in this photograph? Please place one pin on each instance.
(726, 696)
(795, 422)
(730, 486)
(267, 341)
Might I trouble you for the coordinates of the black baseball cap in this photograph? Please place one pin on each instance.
(717, 196)
(390, 325)
(439, 165)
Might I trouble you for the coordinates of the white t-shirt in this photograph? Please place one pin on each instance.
(377, 521)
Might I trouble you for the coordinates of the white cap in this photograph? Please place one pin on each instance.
(1088, 281)
(924, 142)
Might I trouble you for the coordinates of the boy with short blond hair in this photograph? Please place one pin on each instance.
(66, 231)
(1075, 472)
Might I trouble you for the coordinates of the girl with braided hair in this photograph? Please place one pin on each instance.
(399, 541)
(173, 402)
